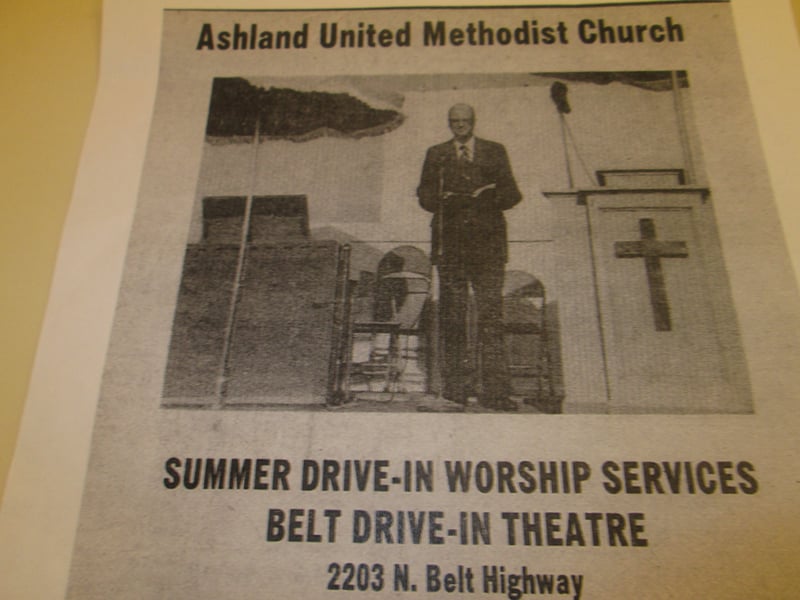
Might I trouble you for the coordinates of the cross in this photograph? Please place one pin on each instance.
(653, 250)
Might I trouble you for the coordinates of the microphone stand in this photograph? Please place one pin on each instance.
(437, 351)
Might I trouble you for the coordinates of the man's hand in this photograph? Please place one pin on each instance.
(482, 189)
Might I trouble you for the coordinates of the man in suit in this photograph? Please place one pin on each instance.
(467, 183)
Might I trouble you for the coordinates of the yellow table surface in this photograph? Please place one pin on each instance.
(49, 52)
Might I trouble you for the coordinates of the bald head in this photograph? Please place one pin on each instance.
(461, 118)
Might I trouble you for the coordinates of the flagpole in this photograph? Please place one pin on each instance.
(222, 379)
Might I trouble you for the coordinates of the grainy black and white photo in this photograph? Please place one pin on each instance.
(575, 266)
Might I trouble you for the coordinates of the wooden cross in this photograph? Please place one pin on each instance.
(653, 250)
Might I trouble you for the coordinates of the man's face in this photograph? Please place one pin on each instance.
(462, 121)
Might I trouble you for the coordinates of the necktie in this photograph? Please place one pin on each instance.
(463, 152)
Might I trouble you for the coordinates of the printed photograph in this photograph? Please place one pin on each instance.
(522, 243)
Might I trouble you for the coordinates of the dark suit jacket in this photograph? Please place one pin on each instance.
(470, 228)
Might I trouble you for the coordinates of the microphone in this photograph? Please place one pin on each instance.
(558, 93)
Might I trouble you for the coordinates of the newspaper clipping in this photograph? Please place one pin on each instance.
(459, 301)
